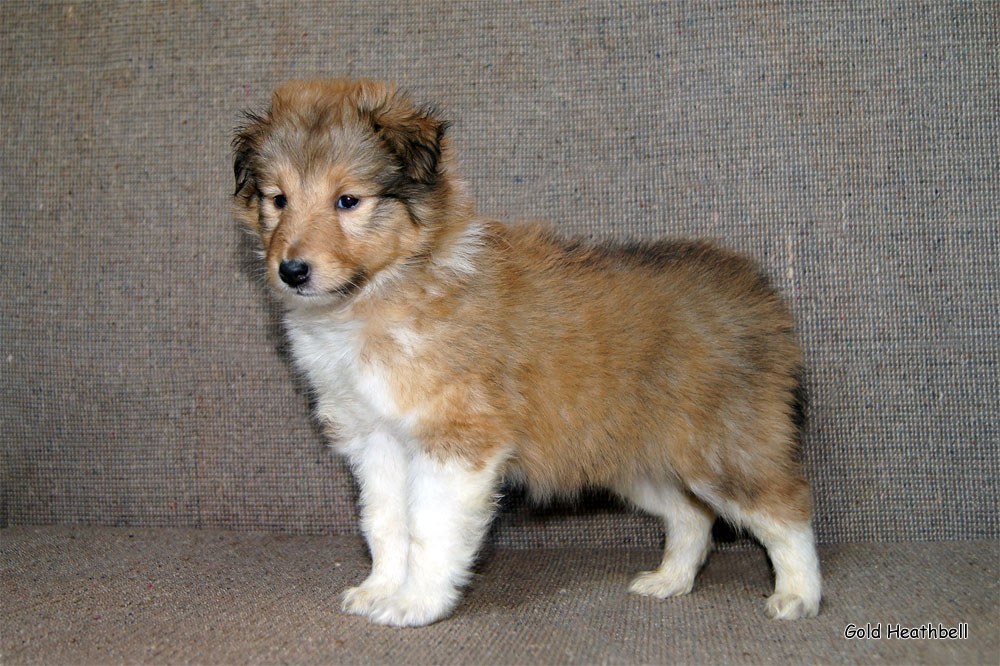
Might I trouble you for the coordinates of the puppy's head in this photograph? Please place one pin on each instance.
(342, 180)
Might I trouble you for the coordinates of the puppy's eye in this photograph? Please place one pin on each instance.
(280, 201)
(347, 202)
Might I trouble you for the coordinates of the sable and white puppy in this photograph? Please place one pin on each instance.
(448, 352)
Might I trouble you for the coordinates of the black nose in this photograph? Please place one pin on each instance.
(294, 272)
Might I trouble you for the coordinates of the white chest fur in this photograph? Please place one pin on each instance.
(352, 389)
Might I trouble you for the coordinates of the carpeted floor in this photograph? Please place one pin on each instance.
(212, 597)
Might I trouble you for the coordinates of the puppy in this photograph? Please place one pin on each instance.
(448, 352)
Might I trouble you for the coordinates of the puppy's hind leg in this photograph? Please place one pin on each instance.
(797, 583)
(688, 525)
(780, 520)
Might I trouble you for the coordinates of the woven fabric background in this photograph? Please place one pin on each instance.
(852, 148)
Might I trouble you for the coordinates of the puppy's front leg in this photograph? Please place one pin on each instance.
(380, 466)
(451, 504)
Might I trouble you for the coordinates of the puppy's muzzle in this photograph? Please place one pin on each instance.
(294, 272)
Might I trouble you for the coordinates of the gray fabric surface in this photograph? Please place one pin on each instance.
(199, 596)
(850, 147)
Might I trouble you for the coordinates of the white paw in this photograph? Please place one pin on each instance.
(790, 606)
(362, 599)
(408, 608)
(662, 583)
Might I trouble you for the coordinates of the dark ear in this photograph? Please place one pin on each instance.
(413, 135)
(246, 142)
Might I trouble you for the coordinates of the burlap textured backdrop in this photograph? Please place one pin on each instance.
(852, 149)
